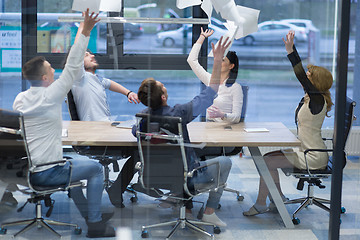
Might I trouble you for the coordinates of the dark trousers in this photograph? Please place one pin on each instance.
(127, 172)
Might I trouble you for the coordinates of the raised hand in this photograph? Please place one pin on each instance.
(218, 57)
(215, 112)
(289, 41)
(89, 22)
(133, 98)
(220, 48)
(207, 33)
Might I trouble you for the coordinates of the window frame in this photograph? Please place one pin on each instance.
(112, 59)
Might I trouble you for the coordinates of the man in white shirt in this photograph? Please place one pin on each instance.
(91, 103)
(89, 93)
(41, 106)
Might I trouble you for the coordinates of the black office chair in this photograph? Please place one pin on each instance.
(105, 155)
(313, 177)
(163, 166)
(13, 134)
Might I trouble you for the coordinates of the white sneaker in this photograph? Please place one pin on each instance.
(214, 219)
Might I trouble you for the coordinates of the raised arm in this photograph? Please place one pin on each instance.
(289, 41)
(204, 34)
(131, 96)
(316, 99)
(193, 61)
(58, 90)
(218, 57)
(87, 25)
(297, 64)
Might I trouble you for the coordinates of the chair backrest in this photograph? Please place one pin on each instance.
(11, 135)
(245, 90)
(349, 117)
(163, 166)
(153, 123)
(72, 107)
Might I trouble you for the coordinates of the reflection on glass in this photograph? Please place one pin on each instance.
(52, 36)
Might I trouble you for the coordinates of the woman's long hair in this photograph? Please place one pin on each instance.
(231, 55)
(322, 79)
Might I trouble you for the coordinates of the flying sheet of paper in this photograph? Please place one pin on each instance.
(249, 19)
(231, 36)
(227, 9)
(82, 5)
(97, 5)
(187, 3)
(110, 5)
(249, 22)
(207, 7)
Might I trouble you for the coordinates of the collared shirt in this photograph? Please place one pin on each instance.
(188, 112)
(90, 97)
(41, 107)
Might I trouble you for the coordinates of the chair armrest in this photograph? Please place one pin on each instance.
(317, 150)
(66, 187)
(50, 163)
(191, 173)
(327, 139)
(313, 150)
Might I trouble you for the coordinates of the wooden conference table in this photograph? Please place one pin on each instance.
(263, 134)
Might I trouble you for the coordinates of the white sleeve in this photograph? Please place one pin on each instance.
(237, 102)
(106, 83)
(199, 71)
(18, 102)
(57, 91)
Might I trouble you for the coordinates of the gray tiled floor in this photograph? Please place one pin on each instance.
(244, 177)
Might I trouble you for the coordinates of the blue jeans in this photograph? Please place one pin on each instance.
(84, 169)
(209, 177)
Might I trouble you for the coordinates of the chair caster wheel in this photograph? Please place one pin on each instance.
(240, 198)
(343, 210)
(144, 234)
(134, 199)
(219, 206)
(3, 231)
(217, 230)
(78, 231)
(296, 221)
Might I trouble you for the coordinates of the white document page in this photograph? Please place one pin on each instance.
(110, 5)
(82, 5)
(126, 124)
(181, 4)
(256, 130)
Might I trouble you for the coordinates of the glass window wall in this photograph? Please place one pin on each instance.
(130, 52)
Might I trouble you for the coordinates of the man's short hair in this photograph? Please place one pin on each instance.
(34, 69)
(150, 93)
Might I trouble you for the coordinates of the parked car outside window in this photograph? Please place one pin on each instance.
(274, 31)
(176, 37)
(305, 23)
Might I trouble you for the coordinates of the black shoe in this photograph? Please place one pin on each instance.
(116, 198)
(100, 230)
(104, 217)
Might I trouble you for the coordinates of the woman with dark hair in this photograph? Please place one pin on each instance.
(309, 117)
(228, 104)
